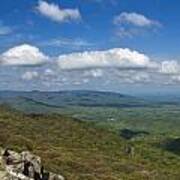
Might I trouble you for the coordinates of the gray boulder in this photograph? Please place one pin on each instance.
(24, 166)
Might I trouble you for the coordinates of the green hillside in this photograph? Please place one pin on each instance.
(81, 151)
(107, 110)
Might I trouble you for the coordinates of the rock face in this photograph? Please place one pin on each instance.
(24, 166)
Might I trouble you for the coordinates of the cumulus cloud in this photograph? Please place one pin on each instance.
(121, 65)
(136, 77)
(29, 75)
(94, 73)
(56, 13)
(113, 58)
(95, 68)
(23, 55)
(133, 24)
(135, 19)
(176, 78)
(170, 67)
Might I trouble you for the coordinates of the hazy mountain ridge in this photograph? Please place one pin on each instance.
(73, 98)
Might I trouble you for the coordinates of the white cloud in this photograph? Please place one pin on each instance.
(132, 24)
(4, 30)
(176, 78)
(69, 43)
(29, 75)
(170, 67)
(97, 73)
(23, 55)
(99, 67)
(129, 32)
(113, 58)
(49, 72)
(120, 65)
(93, 73)
(135, 19)
(56, 13)
(140, 77)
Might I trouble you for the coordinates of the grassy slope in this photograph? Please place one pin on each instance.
(80, 151)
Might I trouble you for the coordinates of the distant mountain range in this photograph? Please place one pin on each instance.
(71, 98)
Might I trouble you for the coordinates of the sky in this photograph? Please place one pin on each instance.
(128, 46)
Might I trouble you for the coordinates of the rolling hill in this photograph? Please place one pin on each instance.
(80, 150)
(107, 110)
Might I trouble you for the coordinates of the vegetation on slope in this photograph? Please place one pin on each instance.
(78, 150)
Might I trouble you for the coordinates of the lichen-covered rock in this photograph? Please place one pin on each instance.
(24, 166)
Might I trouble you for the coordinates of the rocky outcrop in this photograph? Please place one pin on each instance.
(24, 166)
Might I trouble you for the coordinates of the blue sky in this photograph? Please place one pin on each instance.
(90, 44)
